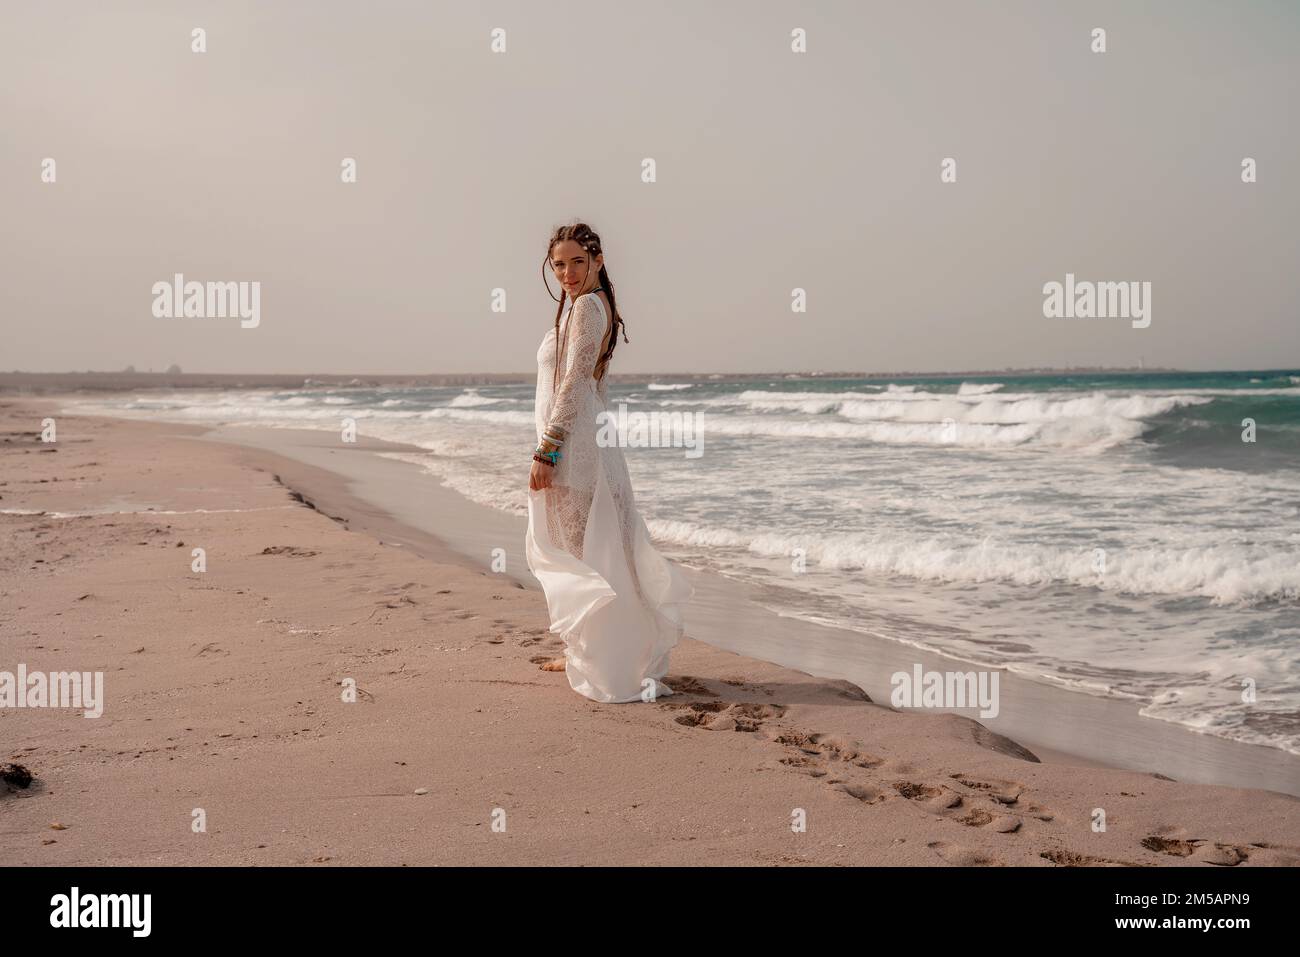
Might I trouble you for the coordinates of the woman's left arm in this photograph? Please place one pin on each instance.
(586, 332)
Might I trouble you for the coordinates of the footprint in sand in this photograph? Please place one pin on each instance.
(960, 856)
(866, 793)
(938, 799)
(745, 685)
(1005, 795)
(1198, 849)
(1064, 858)
(1004, 792)
(527, 637)
(723, 715)
(935, 798)
(686, 684)
(805, 764)
(835, 757)
(831, 747)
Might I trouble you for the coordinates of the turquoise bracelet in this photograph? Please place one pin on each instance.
(553, 456)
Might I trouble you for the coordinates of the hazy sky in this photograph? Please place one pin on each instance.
(775, 170)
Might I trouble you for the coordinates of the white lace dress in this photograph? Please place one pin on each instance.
(613, 598)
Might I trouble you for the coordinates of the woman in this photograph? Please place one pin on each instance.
(613, 598)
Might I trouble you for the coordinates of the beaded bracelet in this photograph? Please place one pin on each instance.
(550, 458)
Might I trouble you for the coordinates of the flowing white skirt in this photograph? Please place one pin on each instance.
(616, 644)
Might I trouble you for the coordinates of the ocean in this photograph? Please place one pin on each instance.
(1110, 533)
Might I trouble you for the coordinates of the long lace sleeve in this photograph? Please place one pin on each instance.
(586, 333)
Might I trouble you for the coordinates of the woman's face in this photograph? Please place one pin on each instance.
(577, 272)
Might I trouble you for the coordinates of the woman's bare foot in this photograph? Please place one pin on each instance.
(555, 664)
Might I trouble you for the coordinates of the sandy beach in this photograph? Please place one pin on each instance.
(225, 699)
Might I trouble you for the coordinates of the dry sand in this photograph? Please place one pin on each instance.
(223, 692)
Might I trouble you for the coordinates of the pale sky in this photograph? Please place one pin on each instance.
(775, 170)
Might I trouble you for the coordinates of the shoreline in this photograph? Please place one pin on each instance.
(42, 384)
(467, 706)
(1088, 729)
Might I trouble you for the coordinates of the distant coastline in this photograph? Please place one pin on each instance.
(48, 382)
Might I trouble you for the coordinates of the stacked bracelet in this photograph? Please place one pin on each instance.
(548, 450)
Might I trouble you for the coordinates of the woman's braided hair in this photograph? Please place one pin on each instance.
(589, 240)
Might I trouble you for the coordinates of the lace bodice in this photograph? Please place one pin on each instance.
(582, 334)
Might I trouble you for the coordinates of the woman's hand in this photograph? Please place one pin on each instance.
(540, 476)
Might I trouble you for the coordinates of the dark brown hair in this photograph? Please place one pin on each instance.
(587, 238)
